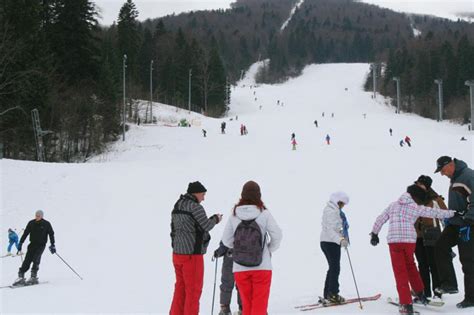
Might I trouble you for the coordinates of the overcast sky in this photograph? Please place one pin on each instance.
(157, 8)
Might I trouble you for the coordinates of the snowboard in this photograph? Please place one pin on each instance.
(320, 304)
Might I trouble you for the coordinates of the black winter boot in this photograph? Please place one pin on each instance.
(465, 304)
(34, 278)
(336, 299)
(421, 298)
(225, 310)
(20, 280)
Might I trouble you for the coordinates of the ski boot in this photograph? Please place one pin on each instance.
(446, 290)
(407, 309)
(239, 312)
(33, 279)
(420, 298)
(465, 304)
(8, 254)
(336, 299)
(20, 281)
(225, 310)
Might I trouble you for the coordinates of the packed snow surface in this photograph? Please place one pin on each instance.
(112, 215)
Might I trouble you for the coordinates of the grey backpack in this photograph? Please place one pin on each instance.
(248, 244)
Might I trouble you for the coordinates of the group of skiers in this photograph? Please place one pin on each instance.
(414, 229)
(38, 230)
(407, 140)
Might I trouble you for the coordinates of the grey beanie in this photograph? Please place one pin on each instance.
(40, 213)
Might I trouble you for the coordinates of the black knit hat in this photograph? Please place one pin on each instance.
(418, 194)
(196, 187)
(425, 180)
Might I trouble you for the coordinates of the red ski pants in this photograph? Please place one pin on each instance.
(405, 271)
(254, 290)
(189, 271)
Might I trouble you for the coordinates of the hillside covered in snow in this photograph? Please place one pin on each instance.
(112, 215)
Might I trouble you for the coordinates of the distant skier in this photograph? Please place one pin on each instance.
(390, 130)
(241, 129)
(402, 143)
(402, 215)
(463, 139)
(334, 235)
(316, 123)
(204, 133)
(278, 102)
(293, 136)
(328, 139)
(365, 116)
(408, 140)
(12, 240)
(38, 229)
(294, 143)
(223, 127)
(245, 130)
(323, 114)
(332, 115)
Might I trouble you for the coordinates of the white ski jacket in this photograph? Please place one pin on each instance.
(331, 224)
(267, 224)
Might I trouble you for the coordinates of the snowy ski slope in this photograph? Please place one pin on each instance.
(111, 215)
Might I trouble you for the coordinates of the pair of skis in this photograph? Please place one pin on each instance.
(323, 303)
(26, 284)
(12, 255)
(430, 303)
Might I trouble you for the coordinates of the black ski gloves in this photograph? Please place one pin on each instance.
(374, 239)
(52, 249)
(221, 251)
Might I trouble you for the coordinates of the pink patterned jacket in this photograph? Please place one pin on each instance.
(402, 215)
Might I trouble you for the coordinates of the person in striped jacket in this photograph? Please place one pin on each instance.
(190, 237)
(402, 215)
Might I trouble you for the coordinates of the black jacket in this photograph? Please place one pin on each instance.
(461, 197)
(38, 232)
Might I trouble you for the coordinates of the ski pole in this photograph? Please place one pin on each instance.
(353, 276)
(69, 266)
(214, 291)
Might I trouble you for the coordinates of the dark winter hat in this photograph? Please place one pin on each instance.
(196, 187)
(418, 194)
(441, 162)
(10, 230)
(251, 192)
(425, 180)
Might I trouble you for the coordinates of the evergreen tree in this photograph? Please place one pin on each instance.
(128, 36)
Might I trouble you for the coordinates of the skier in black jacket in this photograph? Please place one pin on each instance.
(38, 229)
